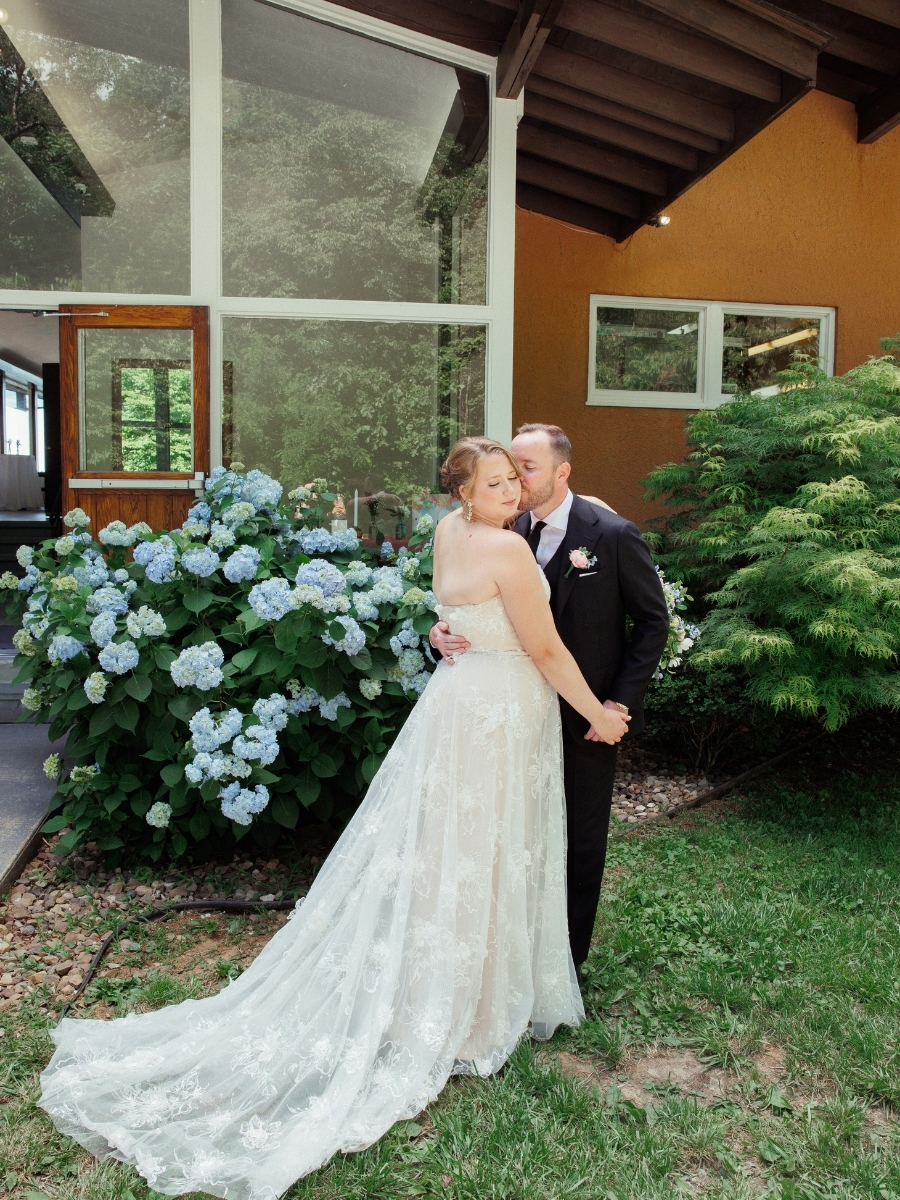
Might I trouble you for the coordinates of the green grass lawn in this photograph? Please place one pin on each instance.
(742, 1034)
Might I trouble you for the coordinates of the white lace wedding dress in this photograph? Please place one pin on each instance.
(433, 938)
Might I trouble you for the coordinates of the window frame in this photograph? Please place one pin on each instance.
(710, 333)
(496, 315)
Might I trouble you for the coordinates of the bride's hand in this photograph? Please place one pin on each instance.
(610, 727)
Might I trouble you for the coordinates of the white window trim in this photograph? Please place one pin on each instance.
(709, 392)
(206, 219)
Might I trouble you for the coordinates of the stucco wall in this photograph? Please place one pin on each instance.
(801, 215)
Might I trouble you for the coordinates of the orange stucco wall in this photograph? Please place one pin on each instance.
(800, 215)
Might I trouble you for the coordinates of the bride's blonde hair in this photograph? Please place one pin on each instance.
(459, 467)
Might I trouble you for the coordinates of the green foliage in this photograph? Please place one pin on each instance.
(137, 785)
(787, 528)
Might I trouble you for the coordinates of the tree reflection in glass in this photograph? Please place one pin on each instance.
(94, 146)
(755, 348)
(351, 169)
(646, 350)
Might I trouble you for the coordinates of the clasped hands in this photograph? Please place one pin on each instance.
(451, 644)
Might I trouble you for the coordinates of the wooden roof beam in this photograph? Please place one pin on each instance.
(592, 159)
(562, 208)
(743, 25)
(885, 11)
(660, 43)
(633, 91)
(577, 186)
(542, 108)
(878, 114)
(537, 85)
(524, 42)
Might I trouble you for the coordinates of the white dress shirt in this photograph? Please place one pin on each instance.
(555, 525)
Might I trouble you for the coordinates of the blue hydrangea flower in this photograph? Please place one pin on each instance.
(271, 599)
(386, 550)
(209, 734)
(411, 662)
(347, 541)
(199, 512)
(407, 638)
(315, 541)
(370, 688)
(199, 667)
(357, 573)
(366, 610)
(387, 586)
(25, 556)
(237, 514)
(119, 657)
(302, 698)
(261, 490)
(242, 564)
(28, 580)
(107, 599)
(65, 546)
(353, 640)
(321, 574)
(329, 708)
(258, 743)
(103, 628)
(221, 537)
(63, 647)
(201, 561)
(272, 712)
(240, 804)
(215, 766)
(146, 622)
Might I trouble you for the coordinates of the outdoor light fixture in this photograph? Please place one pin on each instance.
(659, 220)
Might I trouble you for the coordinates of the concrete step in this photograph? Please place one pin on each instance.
(25, 793)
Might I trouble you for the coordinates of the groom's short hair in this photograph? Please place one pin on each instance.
(559, 442)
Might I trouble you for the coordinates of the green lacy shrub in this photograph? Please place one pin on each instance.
(786, 526)
(217, 679)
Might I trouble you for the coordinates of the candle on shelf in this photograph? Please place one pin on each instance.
(356, 508)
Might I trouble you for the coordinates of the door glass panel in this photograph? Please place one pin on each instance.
(351, 169)
(17, 418)
(646, 350)
(135, 400)
(95, 146)
(756, 348)
(39, 432)
(372, 407)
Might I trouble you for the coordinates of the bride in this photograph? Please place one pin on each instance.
(432, 940)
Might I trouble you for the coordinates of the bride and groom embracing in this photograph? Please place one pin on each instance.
(436, 933)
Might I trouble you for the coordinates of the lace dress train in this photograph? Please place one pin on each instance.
(433, 938)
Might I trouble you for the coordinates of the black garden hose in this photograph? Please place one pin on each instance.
(156, 913)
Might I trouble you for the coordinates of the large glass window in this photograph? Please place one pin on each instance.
(696, 354)
(94, 146)
(17, 430)
(351, 169)
(370, 406)
(136, 400)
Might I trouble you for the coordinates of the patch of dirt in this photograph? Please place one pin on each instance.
(770, 1063)
(660, 1068)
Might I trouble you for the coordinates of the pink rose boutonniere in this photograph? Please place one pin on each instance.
(580, 560)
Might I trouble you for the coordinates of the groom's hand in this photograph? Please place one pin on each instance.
(447, 643)
(593, 736)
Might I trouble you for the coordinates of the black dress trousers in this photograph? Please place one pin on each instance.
(590, 771)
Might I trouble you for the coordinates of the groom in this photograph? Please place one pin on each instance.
(590, 605)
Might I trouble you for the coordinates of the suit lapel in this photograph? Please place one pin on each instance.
(584, 529)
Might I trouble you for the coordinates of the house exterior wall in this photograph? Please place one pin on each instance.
(801, 215)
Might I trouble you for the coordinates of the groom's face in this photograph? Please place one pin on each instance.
(540, 469)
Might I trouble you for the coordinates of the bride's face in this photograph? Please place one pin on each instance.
(495, 490)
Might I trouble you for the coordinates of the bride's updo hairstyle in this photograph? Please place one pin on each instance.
(460, 465)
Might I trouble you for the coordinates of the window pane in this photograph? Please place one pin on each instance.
(94, 146)
(351, 169)
(17, 418)
(370, 406)
(39, 432)
(646, 350)
(755, 349)
(135, 400)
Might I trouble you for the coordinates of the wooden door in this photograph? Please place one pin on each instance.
(134, 411)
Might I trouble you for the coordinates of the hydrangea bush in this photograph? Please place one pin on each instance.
(215, 679)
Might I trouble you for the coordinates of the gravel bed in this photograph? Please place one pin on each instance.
(57, 914)
(647, 785)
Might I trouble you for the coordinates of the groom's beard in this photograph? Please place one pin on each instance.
(535, 497)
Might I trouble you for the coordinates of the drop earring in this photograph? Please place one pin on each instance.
(468, 512)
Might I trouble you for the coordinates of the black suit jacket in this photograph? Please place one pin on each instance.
(590, 607)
